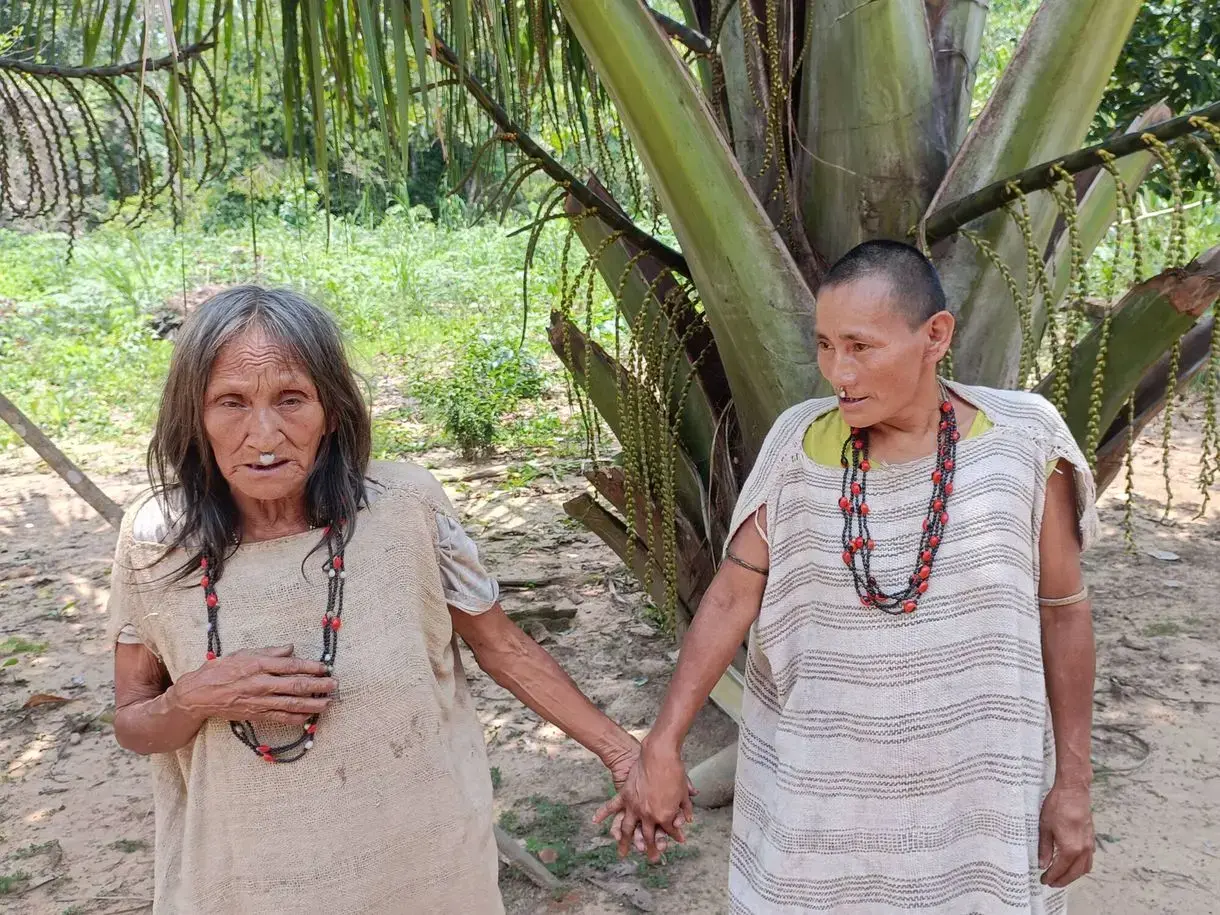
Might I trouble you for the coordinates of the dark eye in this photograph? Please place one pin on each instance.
(290, 402)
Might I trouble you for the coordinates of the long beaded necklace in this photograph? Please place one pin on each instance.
(858, 543)
(331, 622)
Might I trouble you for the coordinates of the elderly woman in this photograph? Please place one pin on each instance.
(346, 777)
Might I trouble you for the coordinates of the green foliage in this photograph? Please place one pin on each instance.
(79, 355)
(10, 882)
(1172, 54)
(487, 381)
(496, 778)
(15, 644)
(128, 846)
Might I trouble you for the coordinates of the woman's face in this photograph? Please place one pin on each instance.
(259, 400)
(868, 348)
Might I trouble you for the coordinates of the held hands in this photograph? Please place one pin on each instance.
(1065, 835)
(654, 800)
(265, 686)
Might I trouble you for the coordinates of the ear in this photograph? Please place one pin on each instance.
(939, 330)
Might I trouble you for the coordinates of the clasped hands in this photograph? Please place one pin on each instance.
(653, 803)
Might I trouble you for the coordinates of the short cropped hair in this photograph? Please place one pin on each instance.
(913, 280)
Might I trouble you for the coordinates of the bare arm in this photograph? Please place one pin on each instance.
(656, 789)
(1066, 842)
(155, 715)
(524, 668)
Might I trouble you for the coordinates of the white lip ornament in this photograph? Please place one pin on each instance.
(266, 459)
(843, 393)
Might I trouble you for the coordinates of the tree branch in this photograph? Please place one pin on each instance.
(696, 41)
(948, 219)
(560, 175)
(128, 69)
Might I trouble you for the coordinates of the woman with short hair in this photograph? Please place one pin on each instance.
(285, 614)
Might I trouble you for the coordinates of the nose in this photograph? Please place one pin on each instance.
(265, 434)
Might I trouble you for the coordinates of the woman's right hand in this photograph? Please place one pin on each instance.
(655, 798)
(264, 686)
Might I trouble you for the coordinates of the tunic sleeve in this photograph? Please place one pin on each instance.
(125, 607)
(785, 438)
(467, 583)
(1060, 445)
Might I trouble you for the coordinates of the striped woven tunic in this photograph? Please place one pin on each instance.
(895, 764)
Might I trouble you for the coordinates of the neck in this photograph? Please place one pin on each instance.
(918, 419)
(271, 518)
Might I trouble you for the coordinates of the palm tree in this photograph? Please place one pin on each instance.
(770, 136)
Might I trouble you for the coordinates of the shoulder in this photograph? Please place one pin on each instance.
(404, 479)
(1024, 411)
(150, 518)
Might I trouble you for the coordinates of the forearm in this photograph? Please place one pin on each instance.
(1069, 661)
(526, 670)
(155, 725)
(718, 629)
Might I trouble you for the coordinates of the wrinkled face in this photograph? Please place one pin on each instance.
(259, 400)
(868, 349)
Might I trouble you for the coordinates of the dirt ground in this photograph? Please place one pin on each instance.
(76, 820)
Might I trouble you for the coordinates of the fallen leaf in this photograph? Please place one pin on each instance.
(44, 699)
(548, 856)
(1164, 555)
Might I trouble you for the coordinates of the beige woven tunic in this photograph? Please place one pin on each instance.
(391, 811)
(898, 764)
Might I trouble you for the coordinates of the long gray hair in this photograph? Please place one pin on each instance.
(181, 467)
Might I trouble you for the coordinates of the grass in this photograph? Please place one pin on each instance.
(128, 846)
(10, 882)
(433, 316)
(15, 644)
(33, 850)
(1162, 628)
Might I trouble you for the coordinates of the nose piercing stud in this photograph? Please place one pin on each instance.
(266, 458)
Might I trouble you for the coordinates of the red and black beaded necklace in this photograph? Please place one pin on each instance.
(858, 543)
(331, 621)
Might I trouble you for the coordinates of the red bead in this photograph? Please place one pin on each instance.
(855, 431)
(847, 557)
(948, 489)
(866, 601)
(934, 541)
(926, 556)
(264, 749)
(335, 624)
(864, 508)
(337, 562)
(944, 517)
(203, 563)
(926, 524)
(326, 621)
(923, 587)
(956, 436)
(944, 424)
(866, 466)
(871, 544)
(858, 543)
(946, 407)
(211, 656)
(311, 729)
(937, 476)
(924, 572)
(211, 600)
(845, 503)
(204, 582)
(855, 489)
(858, 444)
(938, 504)
(949, 465)
(908, 607)
(268, 758)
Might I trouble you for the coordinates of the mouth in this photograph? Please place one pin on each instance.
(850, 401)
(266, 468)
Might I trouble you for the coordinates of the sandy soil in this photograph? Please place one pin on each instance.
(75, 809)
